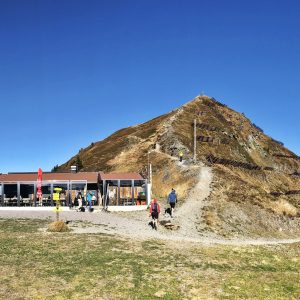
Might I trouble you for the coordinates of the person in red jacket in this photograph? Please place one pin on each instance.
(154, 212)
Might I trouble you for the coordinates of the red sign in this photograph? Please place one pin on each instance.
(39, 183)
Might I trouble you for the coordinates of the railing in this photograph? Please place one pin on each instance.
(237, 164)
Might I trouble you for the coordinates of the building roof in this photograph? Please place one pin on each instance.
(121, 176)
(90, 177)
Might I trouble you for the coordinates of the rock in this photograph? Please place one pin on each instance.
(164, 222)
(172, 226)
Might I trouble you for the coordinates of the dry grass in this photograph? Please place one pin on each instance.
(282, 207)
(35, 265)
(210, 218)
(168, 175)
(58, 226)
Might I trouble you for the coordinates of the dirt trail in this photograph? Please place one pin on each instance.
(190, 211)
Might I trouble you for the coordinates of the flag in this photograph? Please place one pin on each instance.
(39, 183)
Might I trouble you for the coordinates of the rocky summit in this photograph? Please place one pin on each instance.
(254, 189)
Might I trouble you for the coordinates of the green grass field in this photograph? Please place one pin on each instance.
(39, 265)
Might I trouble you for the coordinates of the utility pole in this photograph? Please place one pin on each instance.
(148, 160)
(149, 169)
(195, 140)
(149, 181)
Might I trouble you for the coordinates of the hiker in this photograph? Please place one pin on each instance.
(154, 213)
(94, 199)
(89, 199)
(180, 156)
(78, 200)
(172, 199)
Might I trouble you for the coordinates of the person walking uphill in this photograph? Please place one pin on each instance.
(180, 156)
(172, 199)
(154, 213)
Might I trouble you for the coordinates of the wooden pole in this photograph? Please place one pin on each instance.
(57, 210)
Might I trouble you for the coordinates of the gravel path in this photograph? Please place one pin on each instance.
(112, 223)
(135, 224)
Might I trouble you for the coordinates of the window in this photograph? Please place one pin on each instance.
(126, 192)
(113, 192)
(139, 191)
(46, 195)
(27, 194)
(10, 194)
(75, 187)
(1, 195)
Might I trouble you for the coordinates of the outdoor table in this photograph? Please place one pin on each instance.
(13, 201)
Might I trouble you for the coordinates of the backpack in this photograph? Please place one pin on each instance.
(172, 197)
(155, 207)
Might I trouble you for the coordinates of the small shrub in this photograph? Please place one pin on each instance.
(284, 208)
(210, 218)
(278, 142)
(257, 127)
(58, 226)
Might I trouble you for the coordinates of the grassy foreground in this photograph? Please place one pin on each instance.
(39, 265)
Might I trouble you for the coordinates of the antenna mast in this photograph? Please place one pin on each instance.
(195, 140)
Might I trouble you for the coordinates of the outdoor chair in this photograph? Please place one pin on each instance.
(126, 201)
(26, 201)
(13, 201)
(45, 202)
(6, 201)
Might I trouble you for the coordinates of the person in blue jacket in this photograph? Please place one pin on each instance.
(89, 198)
(172, 199)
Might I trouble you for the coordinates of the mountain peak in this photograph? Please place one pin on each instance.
(252, 173)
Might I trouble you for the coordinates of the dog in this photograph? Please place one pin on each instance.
(81, 209)
(168, 211)
(151, 224)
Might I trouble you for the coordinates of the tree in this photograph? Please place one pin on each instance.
(78, 163)
(54, 169)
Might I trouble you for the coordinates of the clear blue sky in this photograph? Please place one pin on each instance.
(73, 71)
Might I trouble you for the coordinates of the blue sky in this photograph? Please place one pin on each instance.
(72, 71)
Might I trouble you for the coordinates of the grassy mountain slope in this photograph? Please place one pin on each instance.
(248, 166)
